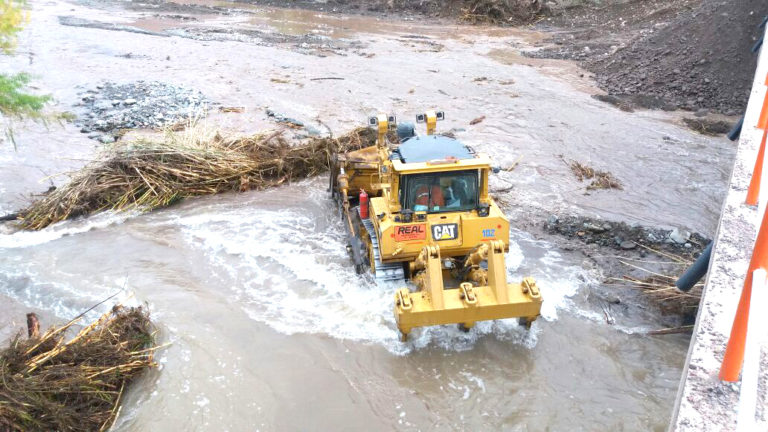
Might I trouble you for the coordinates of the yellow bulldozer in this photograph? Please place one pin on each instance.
(418, 209)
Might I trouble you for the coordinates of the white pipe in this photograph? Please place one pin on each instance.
(750, 373)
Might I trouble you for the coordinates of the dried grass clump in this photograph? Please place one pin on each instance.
(582, 171)
(49, 384)
(149, 174)
(708, 126)
(502, 11)
(660, 288)
(600, 179)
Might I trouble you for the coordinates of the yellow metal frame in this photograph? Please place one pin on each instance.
(434, 305)
(431, 119)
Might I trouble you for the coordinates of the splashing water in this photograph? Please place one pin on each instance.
(289, 268)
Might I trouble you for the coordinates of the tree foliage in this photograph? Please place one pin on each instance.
(14, 103)
(12, 18)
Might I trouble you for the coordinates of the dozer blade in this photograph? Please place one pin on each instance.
(467, 304)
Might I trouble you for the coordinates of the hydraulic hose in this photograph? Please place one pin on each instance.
(696, 271)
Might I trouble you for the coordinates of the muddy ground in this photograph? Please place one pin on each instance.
(682, 54)
(657, 54)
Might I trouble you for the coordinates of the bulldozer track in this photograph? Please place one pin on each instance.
(383, 272)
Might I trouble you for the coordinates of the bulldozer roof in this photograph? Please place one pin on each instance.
(420, 149)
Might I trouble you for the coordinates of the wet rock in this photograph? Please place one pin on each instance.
(627, 245)
(106, 139)
(679, 237)
(292, 122)
(102, 105)
(129, 101)
(552, 220)
(619, 235)
(312, 131)
(609, 297)
(594, 227)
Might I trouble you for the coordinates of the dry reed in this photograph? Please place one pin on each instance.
(502, 11)
(49, 384)
(660, 288)
(148, 174)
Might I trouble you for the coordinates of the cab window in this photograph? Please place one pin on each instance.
(441, 192)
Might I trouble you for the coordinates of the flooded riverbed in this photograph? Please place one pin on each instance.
(270, 328)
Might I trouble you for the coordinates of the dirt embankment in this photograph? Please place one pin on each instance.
(512, 12)
(687, 54)
(660, 54)
(701, 59)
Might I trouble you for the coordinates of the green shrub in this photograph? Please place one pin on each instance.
(14, 103)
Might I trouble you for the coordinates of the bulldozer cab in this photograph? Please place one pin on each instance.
(452, 191)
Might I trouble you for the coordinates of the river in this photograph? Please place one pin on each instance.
(269, 327)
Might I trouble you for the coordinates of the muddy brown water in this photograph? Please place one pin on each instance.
(269, 328)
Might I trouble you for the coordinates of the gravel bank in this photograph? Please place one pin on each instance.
(109, 108)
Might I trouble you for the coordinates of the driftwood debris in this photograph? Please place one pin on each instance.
(53, 384)
(33, 326)
(149, 174)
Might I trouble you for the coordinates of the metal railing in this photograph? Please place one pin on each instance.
(743, 351)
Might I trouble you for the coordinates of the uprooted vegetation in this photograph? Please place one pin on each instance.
(659, 286)
(708, 126)
(50, 384)
(600, 179)
(502, 11)
(148, 174)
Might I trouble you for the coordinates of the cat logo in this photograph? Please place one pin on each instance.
(445, 232)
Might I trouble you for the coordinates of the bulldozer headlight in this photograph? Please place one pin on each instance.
(407, 215)
(483, 210)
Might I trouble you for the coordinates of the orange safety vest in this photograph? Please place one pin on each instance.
(422, 196)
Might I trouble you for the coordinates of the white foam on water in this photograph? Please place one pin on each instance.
(24, 283)
(21, 239)
(291, 271)
(293, 277)
(3, 209)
